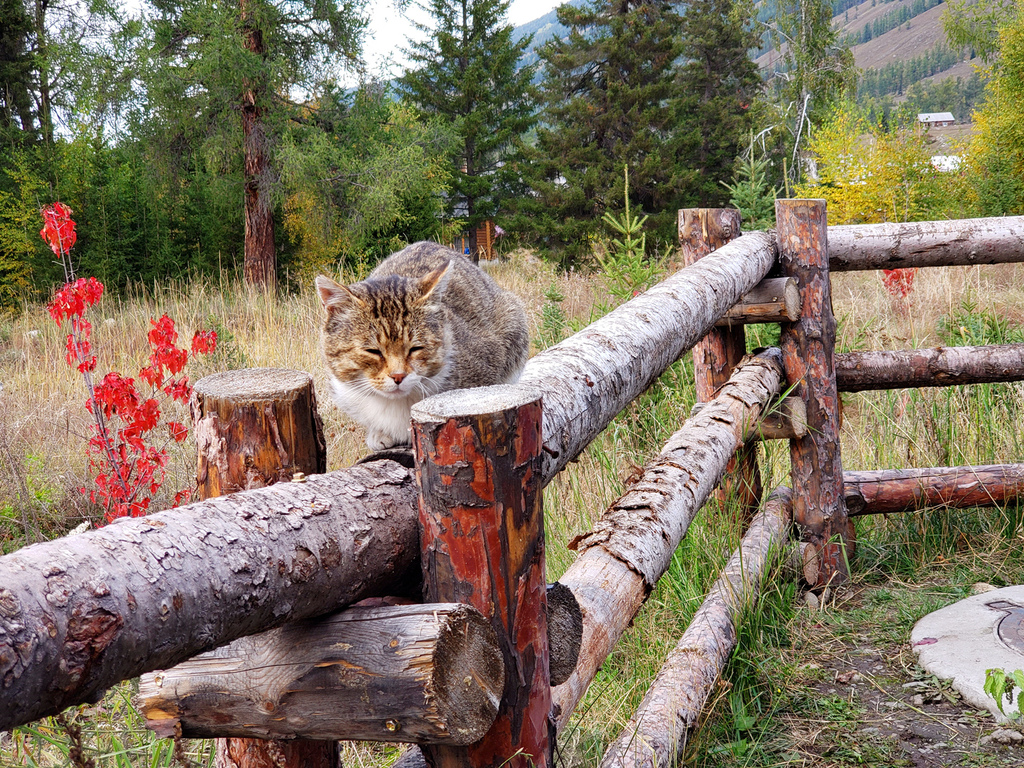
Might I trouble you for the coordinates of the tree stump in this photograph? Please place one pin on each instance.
(702, 231)
(478, 463)
(808, 350)
(256, 427)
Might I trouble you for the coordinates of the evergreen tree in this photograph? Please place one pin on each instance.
(17, 119)
(466, 71)
(607, 93)
(716, 88)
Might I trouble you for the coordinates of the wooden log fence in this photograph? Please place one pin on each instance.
(82, 613)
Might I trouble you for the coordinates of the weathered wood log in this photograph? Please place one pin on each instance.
(419, 673)
(591, 376)
(256, 427)
(702, 231)
(938, 367)
(82, 613)
(773, 300)
(808, 347)
(786, 419)
(621, 561)
(926, 244)
(478, 460)
(904, 490)
(657, 734)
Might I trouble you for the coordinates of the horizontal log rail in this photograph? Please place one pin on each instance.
(905, 490)
(937, 367)
(631, 547)
(958, 242)
(657, 733)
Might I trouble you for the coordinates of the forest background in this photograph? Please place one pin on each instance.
(191, 136)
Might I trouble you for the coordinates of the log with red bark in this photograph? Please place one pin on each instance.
(926, 244)
(903, 490)
(808, 348)
(621, 560)
(419, 673)
(938, 367)
(656, 735)
(702, 231)
(482, 543)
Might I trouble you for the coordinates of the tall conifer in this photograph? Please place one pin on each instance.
(606, 92)
(467, 70)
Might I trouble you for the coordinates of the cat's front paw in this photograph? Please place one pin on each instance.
(379, 441)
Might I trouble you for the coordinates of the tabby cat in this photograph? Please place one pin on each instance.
(426, 320)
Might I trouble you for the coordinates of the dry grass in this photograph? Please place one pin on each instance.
(43, 424)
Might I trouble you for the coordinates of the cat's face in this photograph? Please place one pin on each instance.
(385, 336)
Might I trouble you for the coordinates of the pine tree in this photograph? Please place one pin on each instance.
(717, 85)
(467, 71)
(606, 92)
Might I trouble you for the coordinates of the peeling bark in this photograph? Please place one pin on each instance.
(656, 735)
(938, 367)
(631, 547)
(926, 244)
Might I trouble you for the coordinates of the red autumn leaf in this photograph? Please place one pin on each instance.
(58, 229)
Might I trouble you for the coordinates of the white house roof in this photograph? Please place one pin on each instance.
(935, 117)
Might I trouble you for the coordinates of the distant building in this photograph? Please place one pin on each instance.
(935, 119)
(947, 163)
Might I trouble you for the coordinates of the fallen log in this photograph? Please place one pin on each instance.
(938, 367)
(657, 733)
(631, 547)
(904, 490)
(415, 673)
(82, 613)
(958, 242)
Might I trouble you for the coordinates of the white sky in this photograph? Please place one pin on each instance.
(389, 31)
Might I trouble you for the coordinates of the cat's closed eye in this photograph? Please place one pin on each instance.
(374, 352)
(413, 350)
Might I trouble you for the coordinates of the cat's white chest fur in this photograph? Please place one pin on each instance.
(387, 419)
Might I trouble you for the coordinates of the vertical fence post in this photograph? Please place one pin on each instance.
(256, 427)
(808, 350)
(701, 231)
(478, 464)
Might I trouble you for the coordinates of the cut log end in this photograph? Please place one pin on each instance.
(468, 674)
(254, 385)
(565, 632)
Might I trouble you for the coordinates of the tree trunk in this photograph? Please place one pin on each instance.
(260, 263)
(808, 346)
(939, 367)
(702, 231)
(254, 428)
(482, 543)
(82, 613)
(421, 673)
(621, 561)
(904, 490)
(591, 376)
(657, 734)
(959, 242)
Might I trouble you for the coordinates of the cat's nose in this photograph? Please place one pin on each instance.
(398, 378)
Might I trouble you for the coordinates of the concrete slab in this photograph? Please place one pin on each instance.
(961, 641)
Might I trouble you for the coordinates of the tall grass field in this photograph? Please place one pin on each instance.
(829, 684)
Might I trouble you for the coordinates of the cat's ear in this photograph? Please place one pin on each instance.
(334, 295)
(433, 283)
